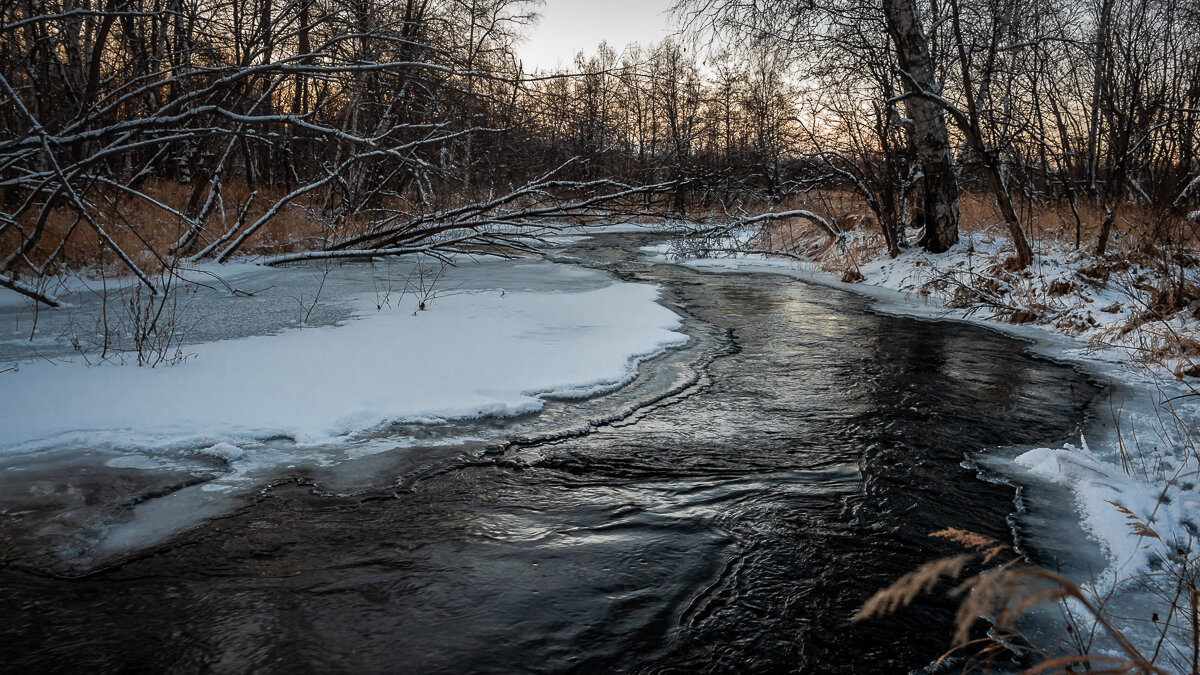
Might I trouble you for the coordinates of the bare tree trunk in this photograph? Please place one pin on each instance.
(932, 142)
(972, 126)
(1099, 68)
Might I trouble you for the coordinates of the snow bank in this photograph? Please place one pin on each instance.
(480, 353)
(1135, 518)
(1108, 304)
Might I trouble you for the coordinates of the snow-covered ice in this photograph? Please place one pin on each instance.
(474, 352)
(471, 354)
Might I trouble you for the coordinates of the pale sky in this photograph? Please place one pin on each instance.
(567, 26)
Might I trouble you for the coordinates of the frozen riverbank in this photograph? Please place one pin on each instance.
(476, 352)
(734, 522)
(124, 456)
(1130, 481)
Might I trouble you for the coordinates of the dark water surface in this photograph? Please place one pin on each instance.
(733, 528)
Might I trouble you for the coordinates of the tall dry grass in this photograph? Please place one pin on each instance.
(146, 231)
(1003, 592)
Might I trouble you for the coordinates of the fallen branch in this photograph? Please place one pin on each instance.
(28, 291)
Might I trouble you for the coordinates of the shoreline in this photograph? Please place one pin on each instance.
(1104, 500)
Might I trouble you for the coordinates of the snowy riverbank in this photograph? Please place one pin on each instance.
(1131, 479)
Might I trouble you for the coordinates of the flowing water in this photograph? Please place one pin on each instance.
(730, 517)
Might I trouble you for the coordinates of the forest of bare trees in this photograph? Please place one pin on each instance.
(139, 133)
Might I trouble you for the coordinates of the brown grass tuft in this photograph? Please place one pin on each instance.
(1136, 525)
(988, 546)
(908, 587)
(1005, 593)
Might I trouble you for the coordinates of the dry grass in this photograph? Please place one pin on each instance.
(146, 231)
(908, 587)
(1004, 593)
(1134, 225)
(845, 211)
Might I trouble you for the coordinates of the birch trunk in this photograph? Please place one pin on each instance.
(931, 140)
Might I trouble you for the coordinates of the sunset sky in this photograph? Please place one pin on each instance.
(567, 26)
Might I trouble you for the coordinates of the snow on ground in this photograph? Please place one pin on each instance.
(478, 353)
(661, 226)
(1133, 476)
(570, 233)
(304, 371)
(1070, 292)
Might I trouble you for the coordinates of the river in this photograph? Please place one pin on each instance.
(729, 516)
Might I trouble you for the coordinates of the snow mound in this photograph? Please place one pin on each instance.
(1135, 518)
(225, 451)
